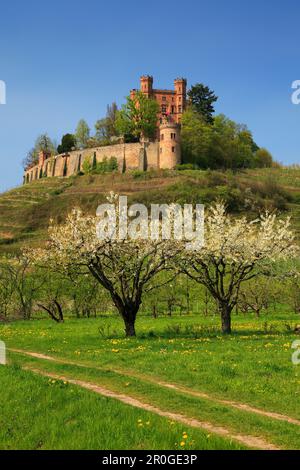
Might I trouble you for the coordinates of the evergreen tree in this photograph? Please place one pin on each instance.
(68, 143)
(202, 99)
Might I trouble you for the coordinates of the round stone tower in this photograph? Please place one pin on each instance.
(169, 145)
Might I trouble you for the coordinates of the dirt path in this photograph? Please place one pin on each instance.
(247, 440)
(179, 388)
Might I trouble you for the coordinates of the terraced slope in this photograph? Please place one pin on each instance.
(25, 211)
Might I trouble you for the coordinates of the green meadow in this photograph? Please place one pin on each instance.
(210, 372)
(238, 391)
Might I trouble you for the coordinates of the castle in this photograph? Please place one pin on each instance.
(162, 153)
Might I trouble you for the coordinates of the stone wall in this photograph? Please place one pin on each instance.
(133, 156)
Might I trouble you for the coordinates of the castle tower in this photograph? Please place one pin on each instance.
(146, 82)
(169, 145)
(180, 97)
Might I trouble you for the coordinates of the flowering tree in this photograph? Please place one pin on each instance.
(234, 252)
(125, 268)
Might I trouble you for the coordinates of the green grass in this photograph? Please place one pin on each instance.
(41, 413)
(252, 366)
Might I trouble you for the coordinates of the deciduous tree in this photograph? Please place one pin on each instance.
(125, 268)
(234, 252)
(82, 133)
(138, 117)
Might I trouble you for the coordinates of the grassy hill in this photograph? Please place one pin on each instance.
(25, 211)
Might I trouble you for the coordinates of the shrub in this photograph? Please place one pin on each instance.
(91, 166)
(263, 159)
(106, 166)
(140, 174)
(87, 165)
(216, 178)
(185, 166)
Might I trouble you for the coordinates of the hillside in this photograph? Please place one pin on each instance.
(26, 210)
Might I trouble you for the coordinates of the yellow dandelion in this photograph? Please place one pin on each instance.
(182, 443)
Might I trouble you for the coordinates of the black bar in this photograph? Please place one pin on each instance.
(137, 459)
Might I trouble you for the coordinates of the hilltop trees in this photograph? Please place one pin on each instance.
(217, 142)
(82, 133)
(138, 117)
(43, 142)
(234, 252)
(263, 158)
(201, 98)
(221, 145)
(106, 127)
(32, 158)
(196, 136)
(68, 143)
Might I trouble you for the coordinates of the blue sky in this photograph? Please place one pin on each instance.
(65, 60)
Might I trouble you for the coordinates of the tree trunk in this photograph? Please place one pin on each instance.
(128, 313)
(225, 311)
(129, 328)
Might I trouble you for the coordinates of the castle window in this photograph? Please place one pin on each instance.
(162, 137)
(163, 108)
(164, 98)
(179, 108)
(173, 136)
(172, 109)
(173, 149)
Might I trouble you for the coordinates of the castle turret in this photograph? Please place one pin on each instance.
(147, 85)
(169, 145)
(180, 96)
